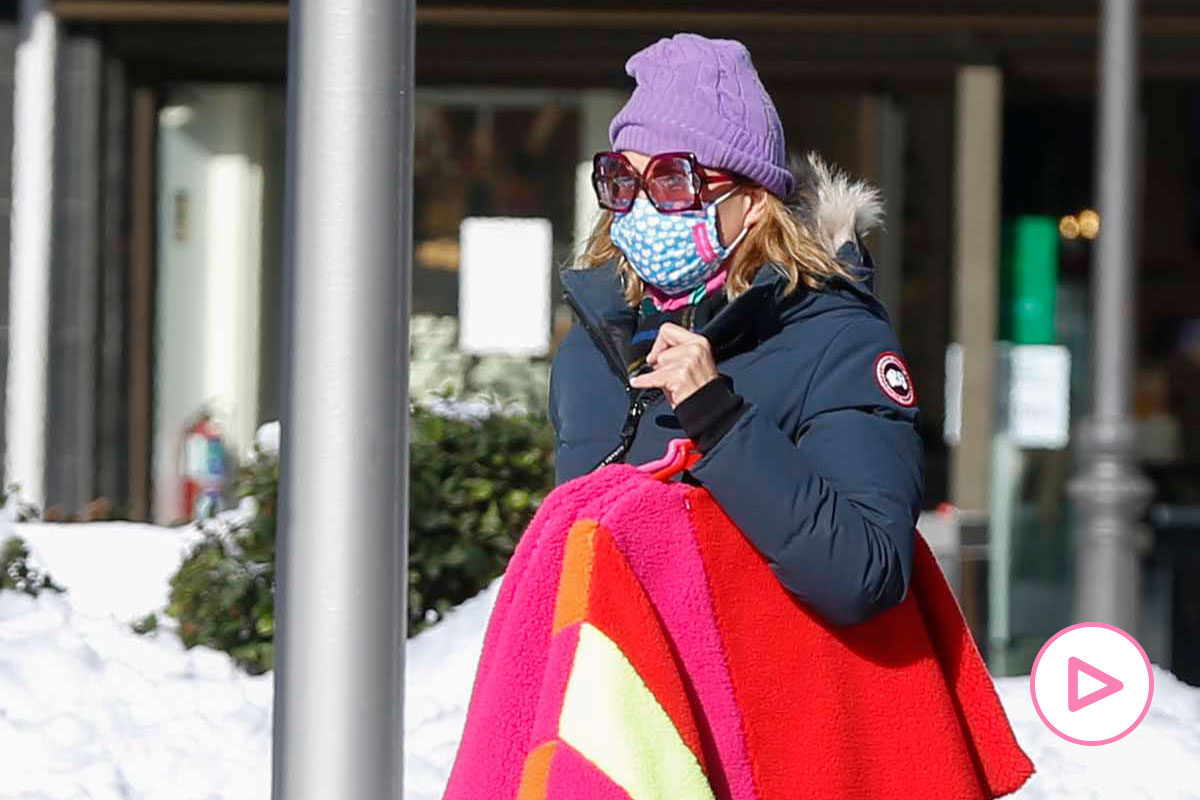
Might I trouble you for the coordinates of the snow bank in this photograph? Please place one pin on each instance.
(91, 711)
(439, 673)
(1160, 760)
(115, 570)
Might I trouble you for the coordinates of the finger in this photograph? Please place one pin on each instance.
(672, 381)
(656, 349)
(669, 335)
(649, 380)
(676, 334)
(691, 362)
(668, 379)
(681, 354)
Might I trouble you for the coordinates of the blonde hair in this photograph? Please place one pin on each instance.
(781, 238)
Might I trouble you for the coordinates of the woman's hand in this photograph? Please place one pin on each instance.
(682, 361)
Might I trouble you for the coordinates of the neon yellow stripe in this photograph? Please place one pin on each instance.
(614, 721)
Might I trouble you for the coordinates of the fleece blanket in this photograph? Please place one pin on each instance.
(641, 649)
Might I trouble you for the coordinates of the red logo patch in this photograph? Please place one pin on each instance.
(891, 373)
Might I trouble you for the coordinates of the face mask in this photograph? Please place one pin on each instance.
(675, 252)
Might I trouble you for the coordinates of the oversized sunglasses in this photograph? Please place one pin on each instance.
(672, 181)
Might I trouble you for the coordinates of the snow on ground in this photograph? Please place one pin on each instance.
(439, 673)
(1159, 760)
(113, 570)
(91, 711)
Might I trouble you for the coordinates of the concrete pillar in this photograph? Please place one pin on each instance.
(112, 407)
(978, 142)
(9, 39)
(71, 434)
(29, 276)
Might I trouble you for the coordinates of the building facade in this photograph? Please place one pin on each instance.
(977, 124)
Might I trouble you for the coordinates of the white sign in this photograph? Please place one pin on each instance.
(952, 422)
(504, 286)
(1039, 396)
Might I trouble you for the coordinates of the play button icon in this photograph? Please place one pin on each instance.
(1077, 665)
(1091, 683)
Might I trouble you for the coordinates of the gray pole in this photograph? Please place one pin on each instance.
(1109, 491)
(342, 560)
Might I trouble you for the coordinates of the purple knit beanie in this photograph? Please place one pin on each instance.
(704, 96)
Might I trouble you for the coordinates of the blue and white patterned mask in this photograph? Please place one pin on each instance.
(674, 252)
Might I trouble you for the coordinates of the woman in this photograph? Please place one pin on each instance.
(711, 308)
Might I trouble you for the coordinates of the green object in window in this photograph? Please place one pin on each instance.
(1029, 280)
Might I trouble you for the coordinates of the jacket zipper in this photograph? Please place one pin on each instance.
(602, 342)
(639, 399)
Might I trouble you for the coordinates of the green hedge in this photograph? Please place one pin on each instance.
(474, 486)
(223, 595)
(15, 573)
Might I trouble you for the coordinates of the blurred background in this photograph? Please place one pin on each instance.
(166, 133)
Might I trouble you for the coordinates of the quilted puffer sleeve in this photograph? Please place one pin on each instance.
(834, 510)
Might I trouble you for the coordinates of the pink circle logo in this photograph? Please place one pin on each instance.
(1091, 683)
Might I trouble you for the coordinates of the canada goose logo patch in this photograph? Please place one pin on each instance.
(891, 374)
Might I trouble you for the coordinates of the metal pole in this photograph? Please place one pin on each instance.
(342, 560)
(1109, 491)
(29, 274)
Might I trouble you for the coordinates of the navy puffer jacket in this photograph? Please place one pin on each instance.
(822, 471)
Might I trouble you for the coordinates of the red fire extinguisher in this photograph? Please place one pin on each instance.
(203, 468)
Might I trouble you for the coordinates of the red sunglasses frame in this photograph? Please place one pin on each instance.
(700, 180)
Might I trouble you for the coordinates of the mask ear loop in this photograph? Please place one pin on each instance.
(745, 229)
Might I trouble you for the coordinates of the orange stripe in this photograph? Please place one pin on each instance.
(574, 581)
(536, 774)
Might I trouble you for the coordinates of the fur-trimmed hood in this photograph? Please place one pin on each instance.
(838, 208)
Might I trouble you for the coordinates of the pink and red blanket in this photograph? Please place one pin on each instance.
(641, 649)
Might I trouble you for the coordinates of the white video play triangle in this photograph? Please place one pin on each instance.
(1109, 684)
